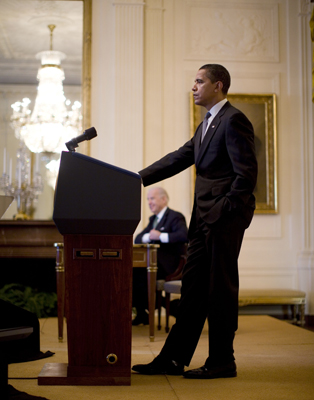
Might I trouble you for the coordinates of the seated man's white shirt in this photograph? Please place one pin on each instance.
(164, 237)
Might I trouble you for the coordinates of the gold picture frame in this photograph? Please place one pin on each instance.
(261, 111)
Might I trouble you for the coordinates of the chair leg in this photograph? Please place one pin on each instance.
(294, 314)
(159, 298)
(167, 311)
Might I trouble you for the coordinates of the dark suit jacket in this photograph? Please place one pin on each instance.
(168, 254)
(226, 166)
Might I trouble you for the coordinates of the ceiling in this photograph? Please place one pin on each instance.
(24, 32)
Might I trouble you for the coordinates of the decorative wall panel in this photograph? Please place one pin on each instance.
(239, 32)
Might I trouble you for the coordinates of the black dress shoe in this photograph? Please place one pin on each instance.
(141, 319)
(224, 371)
(157, 367)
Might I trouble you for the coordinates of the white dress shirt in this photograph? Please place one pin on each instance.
(215, 110)
(164, 236)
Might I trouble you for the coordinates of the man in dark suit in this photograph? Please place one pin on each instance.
(167, 228)
(226, 172)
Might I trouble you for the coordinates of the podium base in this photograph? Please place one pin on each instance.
(57, 374)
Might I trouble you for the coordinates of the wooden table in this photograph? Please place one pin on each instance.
(28, 239)
(144, 256)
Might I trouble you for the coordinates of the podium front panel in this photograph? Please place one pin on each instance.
(98, 278)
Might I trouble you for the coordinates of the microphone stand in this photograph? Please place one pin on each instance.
(89, 134)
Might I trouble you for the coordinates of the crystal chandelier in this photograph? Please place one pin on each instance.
(50, 124)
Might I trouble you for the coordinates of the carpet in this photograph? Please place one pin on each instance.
(275, 361)
(28, 356)
(13, 394)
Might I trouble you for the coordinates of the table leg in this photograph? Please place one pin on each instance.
(151, 283)
(60, 288)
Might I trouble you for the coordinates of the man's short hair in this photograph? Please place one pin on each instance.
(161, 192)
(216, 72)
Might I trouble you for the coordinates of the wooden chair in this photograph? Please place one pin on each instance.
(173, 286)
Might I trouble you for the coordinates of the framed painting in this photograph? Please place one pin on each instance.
(261, 111)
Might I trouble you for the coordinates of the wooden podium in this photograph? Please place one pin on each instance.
(98, 225)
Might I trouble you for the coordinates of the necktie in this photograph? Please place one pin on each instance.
(204, 127)
(155, 223)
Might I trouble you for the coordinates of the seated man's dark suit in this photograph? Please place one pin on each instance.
(168, 254)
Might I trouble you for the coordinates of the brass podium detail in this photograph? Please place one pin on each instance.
(115, 254)
(84, 253)
(111, 358)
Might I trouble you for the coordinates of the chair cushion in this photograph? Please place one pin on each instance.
(160, 284)
(271, 293)
(173, 287)
(271, 296)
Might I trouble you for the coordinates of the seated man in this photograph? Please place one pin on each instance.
(168, 229)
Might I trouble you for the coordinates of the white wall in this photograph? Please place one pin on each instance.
(144, 59)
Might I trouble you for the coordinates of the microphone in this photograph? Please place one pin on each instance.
(89, 134)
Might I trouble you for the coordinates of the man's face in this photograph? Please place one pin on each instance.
(156, 202)
(204, 91)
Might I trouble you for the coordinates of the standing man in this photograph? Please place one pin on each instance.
(223, 152)
(167, 228)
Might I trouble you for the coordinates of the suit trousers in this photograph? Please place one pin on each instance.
(210, 287)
